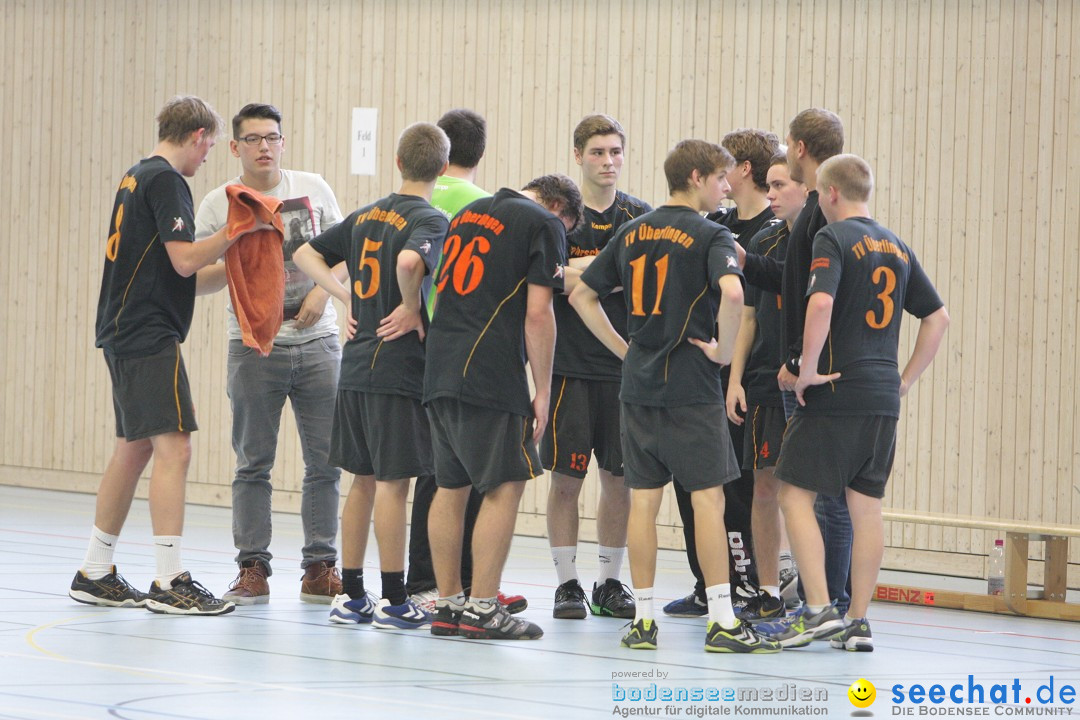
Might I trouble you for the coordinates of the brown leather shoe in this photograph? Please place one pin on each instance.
(321, 583)
(250, 586)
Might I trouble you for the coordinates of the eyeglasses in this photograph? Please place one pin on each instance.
(271, 139)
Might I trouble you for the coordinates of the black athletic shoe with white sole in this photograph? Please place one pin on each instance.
(184, 596)
(110, 591)
(495, 623)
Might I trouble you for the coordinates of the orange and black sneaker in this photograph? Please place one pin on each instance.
(110, 591)
(184, 596)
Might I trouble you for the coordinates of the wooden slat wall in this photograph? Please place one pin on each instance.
(968, 110)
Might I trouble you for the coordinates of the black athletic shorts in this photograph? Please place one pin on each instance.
(480, 446)
(584, 419)
(690, 443)
(829, 453)
(763, 436)
(151, 395)
(382, 435)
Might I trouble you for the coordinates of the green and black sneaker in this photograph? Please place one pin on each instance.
(642, 635)
(739, 639)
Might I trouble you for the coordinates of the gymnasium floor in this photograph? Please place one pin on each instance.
(60, 659)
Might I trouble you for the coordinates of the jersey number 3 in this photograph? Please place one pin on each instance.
(882, 273)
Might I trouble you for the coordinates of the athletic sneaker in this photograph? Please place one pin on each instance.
(762, 607)
(496, 623)
(110, 591)
(789, 586)
(406, 616)
(689, 606)
(856, 637)
(184, 596)
(513, 603)
(570, 601)
(346, 611)
(613, 599)
(425, 599)
(739, 639)
(642, 635)
(803, 628)
(250, 586)
(446, 619)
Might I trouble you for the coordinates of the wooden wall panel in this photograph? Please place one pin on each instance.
(967, 110)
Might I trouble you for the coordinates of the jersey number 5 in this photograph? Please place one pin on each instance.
(372, 263)
(464, 265)
(885, 296)
(637, 284)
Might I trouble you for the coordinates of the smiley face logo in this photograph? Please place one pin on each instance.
(862, 693)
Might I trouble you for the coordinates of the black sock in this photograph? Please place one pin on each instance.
(393, 587)
(352, 582)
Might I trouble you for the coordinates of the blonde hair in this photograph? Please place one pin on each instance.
(849, 174)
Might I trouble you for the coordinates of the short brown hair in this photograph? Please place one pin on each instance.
(691, 155)
(185, 114)
(820, 130)
(423, 150)
(780, 158)
(755, 146)
(255, 111)
(849, 174)
(467, 131)
(561, 189)
(598, 124)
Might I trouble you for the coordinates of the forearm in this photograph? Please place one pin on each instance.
(931, 331)
(211, 279)
(816, 330)
(410, 276)
(586, 303)
(189, 257)
(540, 348)
(313, 264)
(571, 278)
(744, 341)
(727, 318)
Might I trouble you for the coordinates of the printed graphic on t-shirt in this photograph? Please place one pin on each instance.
(298, 219)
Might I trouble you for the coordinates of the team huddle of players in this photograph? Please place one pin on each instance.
(653, 338)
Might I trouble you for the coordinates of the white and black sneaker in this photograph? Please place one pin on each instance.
(184, 596)
(110, 591)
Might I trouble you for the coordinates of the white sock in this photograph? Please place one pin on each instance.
(167, 555)
(720, 610)
(99, 554)
(643, 598)
(456, 601)
(610, 563)
(773, 590)
(565, 559)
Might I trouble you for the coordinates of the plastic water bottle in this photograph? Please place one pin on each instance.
(995, 578)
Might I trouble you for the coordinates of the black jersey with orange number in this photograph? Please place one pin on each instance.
(144, 303)
(369, 241)
(872, 275)
(577, 351)
(496, 248)
(759, 377)
(669, 263)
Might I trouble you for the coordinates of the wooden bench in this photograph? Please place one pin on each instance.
(1049, 602)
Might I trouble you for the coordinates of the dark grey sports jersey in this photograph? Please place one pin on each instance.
(669, 263)
(872, 275)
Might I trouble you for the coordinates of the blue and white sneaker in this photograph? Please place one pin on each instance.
(346, 611)
(689, 606)
(406, 616)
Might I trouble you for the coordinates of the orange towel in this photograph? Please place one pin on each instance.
(255, 266)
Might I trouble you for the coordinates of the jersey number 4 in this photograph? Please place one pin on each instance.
(463, 265)
(637, 284)
(886, 275)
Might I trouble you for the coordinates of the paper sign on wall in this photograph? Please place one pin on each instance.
(364, 124)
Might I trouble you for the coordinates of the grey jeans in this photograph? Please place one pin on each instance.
(307, 374)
